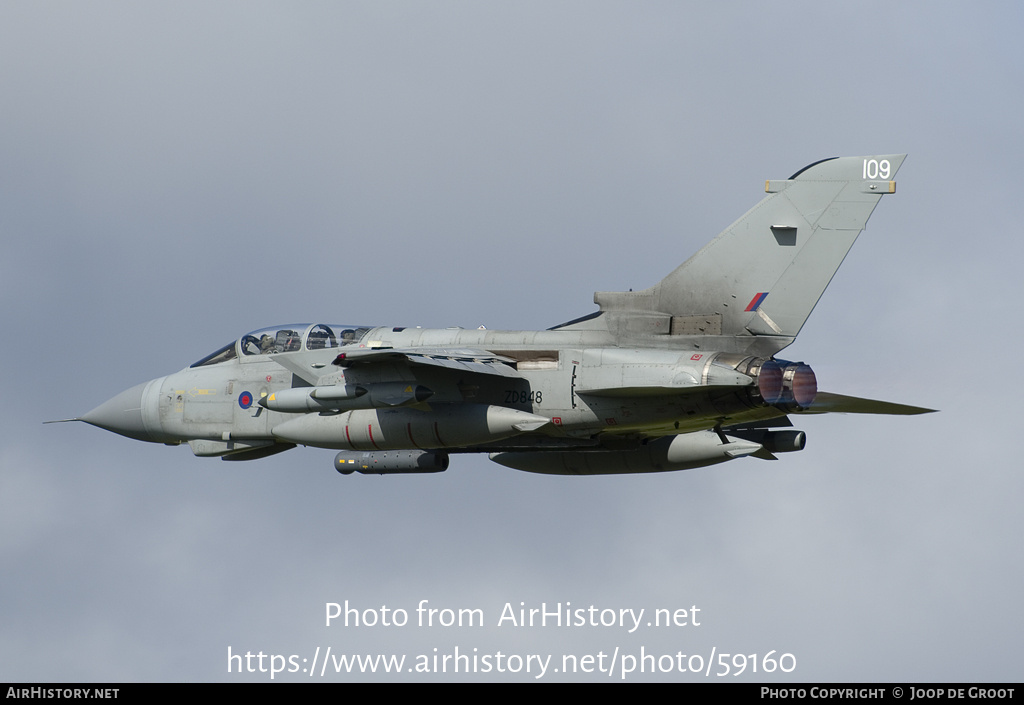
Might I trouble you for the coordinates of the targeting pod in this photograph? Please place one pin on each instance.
(390, 462)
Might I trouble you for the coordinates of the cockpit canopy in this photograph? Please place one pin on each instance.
(286, 338)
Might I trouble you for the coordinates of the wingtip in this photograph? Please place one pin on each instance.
(828, 402)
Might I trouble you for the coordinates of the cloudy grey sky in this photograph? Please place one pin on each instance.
(173, 175)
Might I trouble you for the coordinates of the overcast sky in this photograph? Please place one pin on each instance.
(173, 175)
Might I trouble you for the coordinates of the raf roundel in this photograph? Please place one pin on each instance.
(245, 400)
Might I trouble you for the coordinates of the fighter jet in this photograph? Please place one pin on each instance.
(682, 375)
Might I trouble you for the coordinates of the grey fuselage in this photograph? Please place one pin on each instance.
(567, 376)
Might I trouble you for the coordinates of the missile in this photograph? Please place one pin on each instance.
(338, 397)
(444, 426)
(390, 462)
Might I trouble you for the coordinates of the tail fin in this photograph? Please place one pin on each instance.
(764, 274)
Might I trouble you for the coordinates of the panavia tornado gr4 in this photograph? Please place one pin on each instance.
(681, 375)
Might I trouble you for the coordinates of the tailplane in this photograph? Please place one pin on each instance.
(763, 275)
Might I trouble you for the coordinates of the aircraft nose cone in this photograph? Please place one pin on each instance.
(123, 414)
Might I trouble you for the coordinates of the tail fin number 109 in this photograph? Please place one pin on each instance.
(874, 169)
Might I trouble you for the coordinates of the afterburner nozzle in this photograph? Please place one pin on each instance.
(792, 385)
